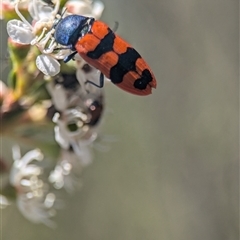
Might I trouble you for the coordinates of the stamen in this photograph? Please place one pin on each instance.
(37, 39)
(42, 44)
(22, 17)
(56, 9)
(51, 47)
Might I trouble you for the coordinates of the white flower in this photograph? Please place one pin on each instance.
(23, 32)
(66, 172)
(81, 108)
(44, 17)
(71, 132)
(20, 32)
(73, 123)
(38, 209)
(40, 10)
(90, 74)
(47, 65)
(22, 168)
(70, 90)
(59, 96)
(86, 8)
(82, 149)
(97, 9)
(33, 199)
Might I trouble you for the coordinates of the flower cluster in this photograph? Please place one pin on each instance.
(33, 199)
(40, 33)
(42, 94)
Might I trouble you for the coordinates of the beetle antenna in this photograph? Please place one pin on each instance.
(64, 10)
(58, 18)
(115, 27)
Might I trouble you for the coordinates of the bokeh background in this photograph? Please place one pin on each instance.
(174, 171)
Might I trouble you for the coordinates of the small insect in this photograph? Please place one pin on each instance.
(99, 46)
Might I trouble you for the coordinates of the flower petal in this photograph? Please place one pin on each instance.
(97, 9)
(19, 32)
(39, 10)
(79, 7)
(48, 65)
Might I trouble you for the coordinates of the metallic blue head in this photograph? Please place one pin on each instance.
(68, 29)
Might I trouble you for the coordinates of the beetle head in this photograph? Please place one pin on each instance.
(70, 28)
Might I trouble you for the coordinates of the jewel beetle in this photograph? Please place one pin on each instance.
(99, 46)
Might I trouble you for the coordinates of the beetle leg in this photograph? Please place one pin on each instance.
(62, 48)
(69, 57)
(101, 81)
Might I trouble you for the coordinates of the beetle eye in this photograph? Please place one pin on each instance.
(84, 30)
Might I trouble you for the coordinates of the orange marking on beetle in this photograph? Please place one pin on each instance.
(141, 65)
(99, 29)
(128, 82)
(88, 43)
(104, 63)
(120, 46)
(129, 78)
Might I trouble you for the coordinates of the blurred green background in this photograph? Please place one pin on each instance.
(174, 171)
